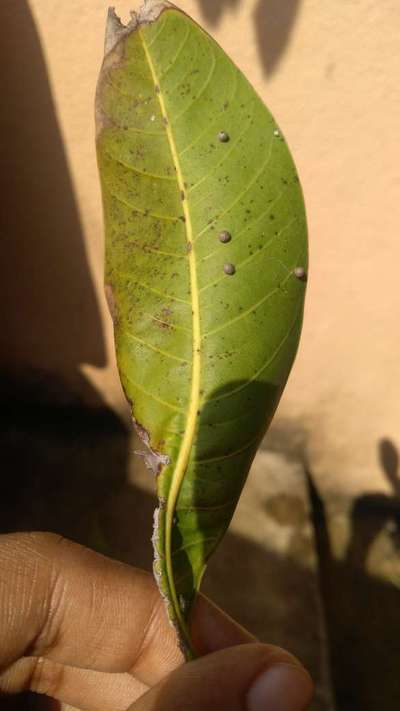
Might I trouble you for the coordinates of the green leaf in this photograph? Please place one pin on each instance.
(206, 323)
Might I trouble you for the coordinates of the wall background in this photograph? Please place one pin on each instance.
(330, 75)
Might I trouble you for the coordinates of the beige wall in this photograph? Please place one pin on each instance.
(330, 72)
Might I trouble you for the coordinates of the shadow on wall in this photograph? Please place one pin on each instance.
(274, 21)
(50, 317)
(362, 611)
(378, 511)
(70, 476)
(213, 10)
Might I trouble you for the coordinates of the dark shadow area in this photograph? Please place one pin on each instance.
(50, 317)
(62, 463)
(59, 459)
(373, 512)
(362, 611)
(64, 469)
(70, 475)
(67, 472)
(213, 10)
(389, 459)
(28, 702)
(271, 596)
(274, 21)
(218, 483)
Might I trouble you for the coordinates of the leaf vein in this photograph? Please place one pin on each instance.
(160, 31)
(207, 508)
(233, 146)
(146, 248)
(191, 544)
(194, 397)
(200, 136)
(154, 397)
(128, 166)
(141, 211)
(201, 92)
(154, 348)
(249, 259)
(248, 226)
(231, 455)
(158, 292)
(171, 89)
(166, 323)
(263, 367)
(176, 56)
(241, 194)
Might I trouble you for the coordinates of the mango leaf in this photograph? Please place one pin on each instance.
(206, 261)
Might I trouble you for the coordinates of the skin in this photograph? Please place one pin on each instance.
(93, 633)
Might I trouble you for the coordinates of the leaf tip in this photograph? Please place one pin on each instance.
(151, 10)
(115, 28)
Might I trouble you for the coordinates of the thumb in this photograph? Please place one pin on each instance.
(249, 677)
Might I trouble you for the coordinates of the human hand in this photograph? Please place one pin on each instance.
(93, 633)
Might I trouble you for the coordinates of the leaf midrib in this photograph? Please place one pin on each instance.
(194, 399)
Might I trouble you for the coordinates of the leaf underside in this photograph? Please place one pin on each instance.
(187, 150)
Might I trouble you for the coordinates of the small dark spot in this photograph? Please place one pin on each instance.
(224, 236)
(182, 218)
(300, 273)
(189, 247)
(229, 269)
(223, 137)
(157, 89)
(182, 194)
(165, 121)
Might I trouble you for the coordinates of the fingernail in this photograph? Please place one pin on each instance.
(280, 688)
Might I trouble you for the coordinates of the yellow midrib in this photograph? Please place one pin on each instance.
(194, 400)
